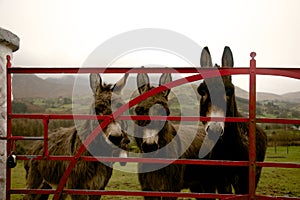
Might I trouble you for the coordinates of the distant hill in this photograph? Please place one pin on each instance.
(32, 86)
(263, 96)
(26, 86)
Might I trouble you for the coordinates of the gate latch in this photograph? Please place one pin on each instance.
(12, 160)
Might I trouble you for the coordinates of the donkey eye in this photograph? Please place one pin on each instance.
(229, 91)
(202, 90)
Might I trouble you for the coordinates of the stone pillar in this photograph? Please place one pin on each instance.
(9, 43)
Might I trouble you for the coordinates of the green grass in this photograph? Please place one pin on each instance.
(281, 181)
(274, 181)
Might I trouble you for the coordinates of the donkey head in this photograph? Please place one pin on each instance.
(108, 99)
(217, 94)
(150, 131)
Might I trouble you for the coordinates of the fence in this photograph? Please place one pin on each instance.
(252, 71)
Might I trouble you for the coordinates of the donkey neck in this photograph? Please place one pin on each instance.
(167, 135)
(234, 128)
(98, 147)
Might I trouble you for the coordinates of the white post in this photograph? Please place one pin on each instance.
(9, 43)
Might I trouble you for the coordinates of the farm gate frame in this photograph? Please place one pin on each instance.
(252, 71)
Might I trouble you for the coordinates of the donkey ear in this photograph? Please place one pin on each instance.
(95, 83)
(227, 58)
(143, 83)
(205, 59)
(165, 78)
(120, 84)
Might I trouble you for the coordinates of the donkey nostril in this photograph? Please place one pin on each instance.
(207, 129)
(149, 147)
(222, 132)
(116, 140)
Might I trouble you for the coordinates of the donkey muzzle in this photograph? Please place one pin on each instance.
(214, 130)
(149, 147)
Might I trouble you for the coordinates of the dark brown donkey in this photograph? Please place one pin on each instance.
(66, 141)
(218, 100)
(161, 139)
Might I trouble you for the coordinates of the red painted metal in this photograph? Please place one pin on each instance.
(132, 193)
(279, 164)
(252, 128)
(171, 118)
(200, 74)
(141, 160)
(9, 125)
(288, 72)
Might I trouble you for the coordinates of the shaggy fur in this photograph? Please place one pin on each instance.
(66, 141)
(233, 144)
(170, 144)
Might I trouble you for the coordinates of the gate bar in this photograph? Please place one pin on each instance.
(9, 124)
(171, 118)
(252, 127)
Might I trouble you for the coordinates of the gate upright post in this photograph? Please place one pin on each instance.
(252, 127)
(9, 43)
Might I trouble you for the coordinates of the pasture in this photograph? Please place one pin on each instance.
(274, 181)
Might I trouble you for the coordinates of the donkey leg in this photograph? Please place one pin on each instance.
(224, 187)
(258, 172)
(79, 197)
(203, 187)
(241, 181)
(75, 184)
(223, 183)
(34, 180)
(44, 196)
(93, 197)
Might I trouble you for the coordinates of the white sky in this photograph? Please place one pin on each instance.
(64, 33)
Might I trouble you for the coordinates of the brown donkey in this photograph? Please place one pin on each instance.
(218, 100)
(66, 141)
(161, 139)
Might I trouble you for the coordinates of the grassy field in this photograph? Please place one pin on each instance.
(274, 181)
(281, 181)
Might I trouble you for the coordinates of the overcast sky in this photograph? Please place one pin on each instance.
(64, 33)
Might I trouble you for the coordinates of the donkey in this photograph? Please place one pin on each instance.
(160, 139)
(66, 141)
(218, 100)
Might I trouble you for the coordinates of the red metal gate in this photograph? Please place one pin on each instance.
(252, 71)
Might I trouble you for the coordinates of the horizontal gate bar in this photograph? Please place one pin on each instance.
(207, 72)
(171, 118)
(128, 193)
(162, 161)
(137, 159)
(146, 193)
(279, 164)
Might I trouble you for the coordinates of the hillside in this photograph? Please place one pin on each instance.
(32, 86)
